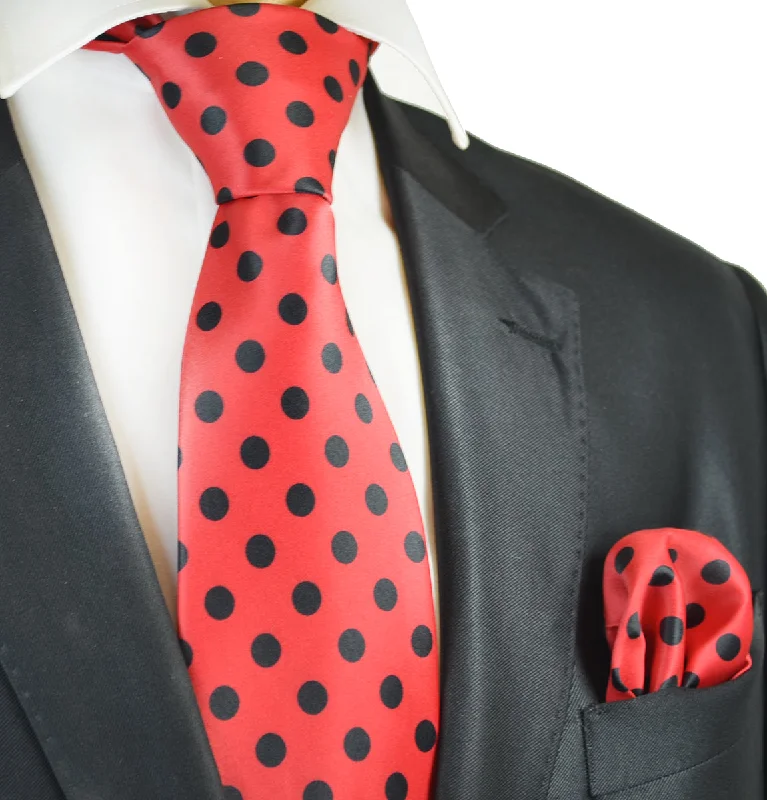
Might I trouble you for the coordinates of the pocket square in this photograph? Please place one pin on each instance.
(678, 612)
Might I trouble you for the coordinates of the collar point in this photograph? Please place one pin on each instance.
(459, 136)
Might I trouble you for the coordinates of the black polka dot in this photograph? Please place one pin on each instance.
(209, 316)
(300, 500)
(224, 196)
(396, 787)
(182, 556)
(108, 37)
(292, 222)
(295, 402)
(354, 71)
(293, 42)
(220, 235)
(259, 153)
(695, 615)
(690, 680)
(251, 73)
(260, 550)
(421, 641)
(180, 456)
(230, 793)
(332, 159)
(357, 744)
(270, 750)
(224, 702)
(147, 33)
(351, 645)
(171, 94)
(317, 790)
(391, 691)
(208, 406)
(326, 24)
(344, 547)
(332, 359)
(333, 88)
(213, 120)
(415, 547)
(249, 266)
(716, 572)
(199, 45)
(254, 452)
(300, 113)
(385, 594)
(245, 9)
(615, 678)
(337, 451)
(292, 309)
(670, 683)
(349, 324)
(376, 500)
(329, 269)
(214, 503)
(397, 457)
(425, 736)
(219, 602)
(312, 697)
(662, 576)
(250, 356)
(309, 186)
(266, 650)
(673, 555)
(363, 408)
(728, 646)
(307, 598)
(633, 626)
(671, 630)
(186, 651)
(623, 558)
(638, 692)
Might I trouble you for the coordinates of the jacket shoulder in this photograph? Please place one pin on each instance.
(557, 210)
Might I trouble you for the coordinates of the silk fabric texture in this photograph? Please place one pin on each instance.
(678, 612)
(305, 610)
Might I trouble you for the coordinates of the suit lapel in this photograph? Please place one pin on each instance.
(85, 637)
(505, 403)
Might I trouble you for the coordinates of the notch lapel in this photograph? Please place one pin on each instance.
(85, 637)
(505, 404)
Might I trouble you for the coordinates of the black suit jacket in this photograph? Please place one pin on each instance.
(587, 373)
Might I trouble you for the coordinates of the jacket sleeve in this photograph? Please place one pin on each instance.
(757, 296)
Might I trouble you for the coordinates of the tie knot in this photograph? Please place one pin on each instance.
(261, 93)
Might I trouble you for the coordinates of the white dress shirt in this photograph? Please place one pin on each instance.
(130, 210)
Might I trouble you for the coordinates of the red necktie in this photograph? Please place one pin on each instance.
(305, 605)
(678, 612)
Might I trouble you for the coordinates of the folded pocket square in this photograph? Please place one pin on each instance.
(678, 612)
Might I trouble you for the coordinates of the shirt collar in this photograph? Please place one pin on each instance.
(34, 35)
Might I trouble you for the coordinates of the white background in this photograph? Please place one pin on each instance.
(658, 105)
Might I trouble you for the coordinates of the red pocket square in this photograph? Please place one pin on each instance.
(678, 612)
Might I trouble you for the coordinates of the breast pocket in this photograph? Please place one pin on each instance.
(682, 744)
